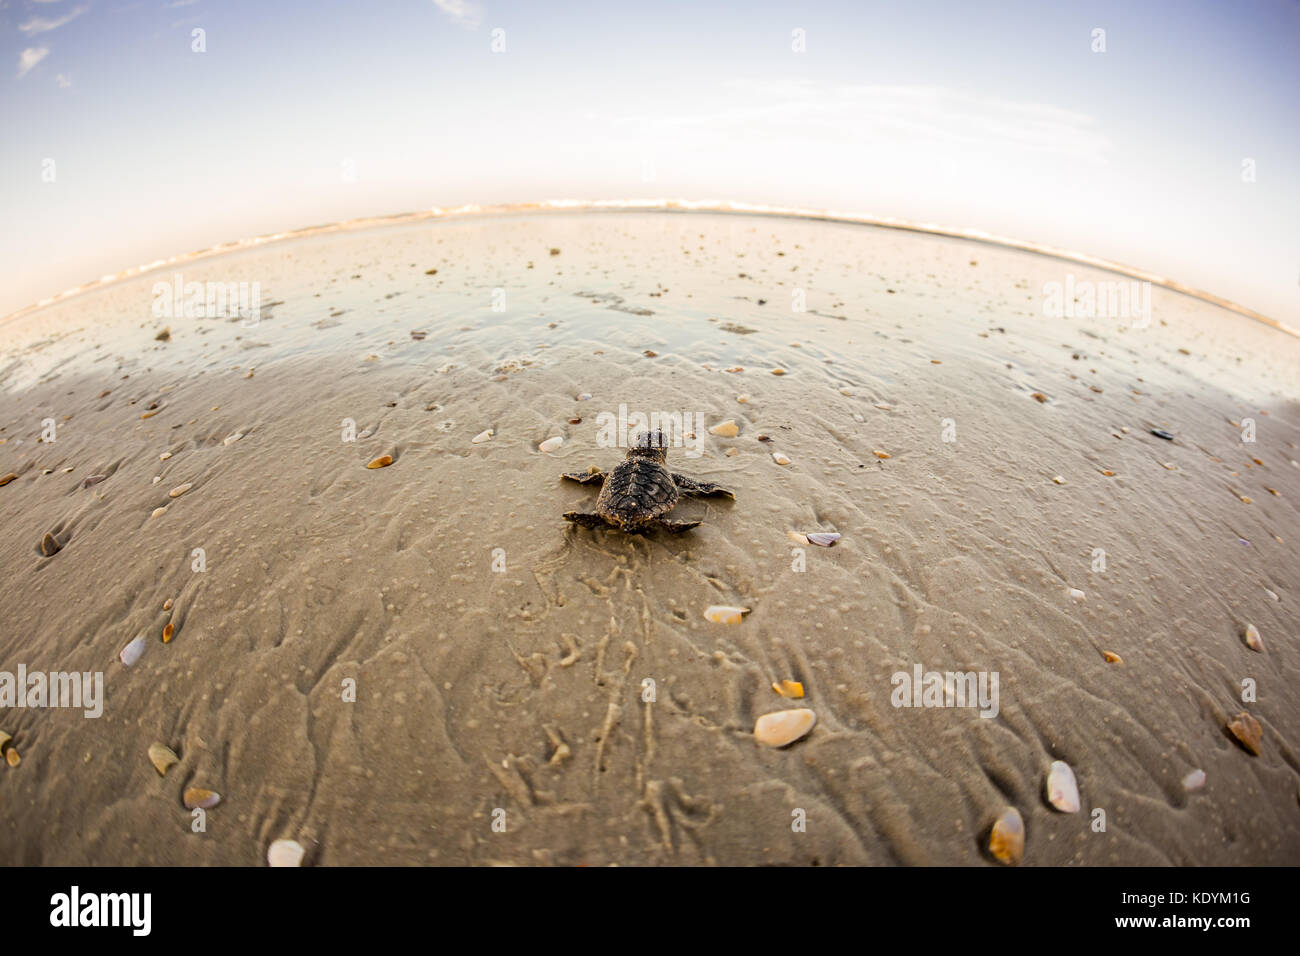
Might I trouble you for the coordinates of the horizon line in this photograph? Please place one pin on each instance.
(725, 206)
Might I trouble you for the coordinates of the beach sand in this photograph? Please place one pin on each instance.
(501, 657)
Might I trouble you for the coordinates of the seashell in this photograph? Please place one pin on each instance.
(789, 688)
(881, 454)
(383, 461)
(1108, 473)
(180, 490)
(575, 421)
(1059, 480)
(742, 399)
(418, 335)
(551, 444)
(157, 511)
(196, 797)
(1247, 731)
(162, 758)
(847, 392)
(164, 335)
(50, 545)
(152, 413)
(481, 437)
(784, 727)
(5, 479)
(650, 353)
(1272, 594)
(731, 451)
(231, 439)
(93, 480)
(883, 406)
(779, 458)
(725, 613)
(4, 740)
(167, 604)
(285, 853)
(164, 456)
(156, 479)
(1161, 433)
(1062, 788)
(1038, 397)
(825, 539)
(1112, 658)
(1194, 780)
(1007, 839)
(1169, 466)
(584, 397)
(1251, 636)
(12, 758)
(778, 371)
(735, 369)
(727, 429)
(1076, 595)
(131, 653)
(168, 630)
(1245, 499)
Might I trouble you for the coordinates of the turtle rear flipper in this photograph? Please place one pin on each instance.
(585, 477)
(676, 527)
(692, 487)
(586, 520)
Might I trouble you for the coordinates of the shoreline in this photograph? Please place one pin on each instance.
(707, 206)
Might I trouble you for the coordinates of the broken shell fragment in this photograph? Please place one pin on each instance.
(1251, 636)
(197, 797)
(788, 688)
(1247, 731)
(164, 456)
(881, 454)
(50, 545)
(1077, 595)
(1194, 780)
(1112, 658)
(1062, 788)
(131, 653)
(383, 461)
(780, 459)
(231, 439)
(824, 539)
(725, 614)
(1007, 839)
(163, 758)
(727, 429)
(1058, 479)
(784, 727)
(551, 444)
(481, 437)
(285, 853)
(4, 480)
(180, 490)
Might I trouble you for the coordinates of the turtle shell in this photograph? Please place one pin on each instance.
(636, 491)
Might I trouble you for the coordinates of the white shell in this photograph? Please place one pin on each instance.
(1194, 780)
(1062, 789)
(725, 613)
(784, 726)
(131, 653)
(481, 437)
(1077, 595)
(285, 853)
(164, 456)
(231, 439)
(825, 539)
(180, 490)
(551, 444)
(779, 458)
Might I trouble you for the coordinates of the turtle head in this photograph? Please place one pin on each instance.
(649, 444)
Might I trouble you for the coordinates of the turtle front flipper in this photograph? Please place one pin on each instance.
(586, 520)
(690, 486)
(676, 527)
(585, 477)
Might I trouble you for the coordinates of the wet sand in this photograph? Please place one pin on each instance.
(500, 655)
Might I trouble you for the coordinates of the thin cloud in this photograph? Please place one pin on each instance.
(63, 81)
(29, 58)
(464, 12)
(44, 25)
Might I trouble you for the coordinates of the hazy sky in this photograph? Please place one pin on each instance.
(992, 116)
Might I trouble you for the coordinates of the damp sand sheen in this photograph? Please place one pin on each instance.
(365, 632)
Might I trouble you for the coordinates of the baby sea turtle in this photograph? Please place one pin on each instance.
(636, 495)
